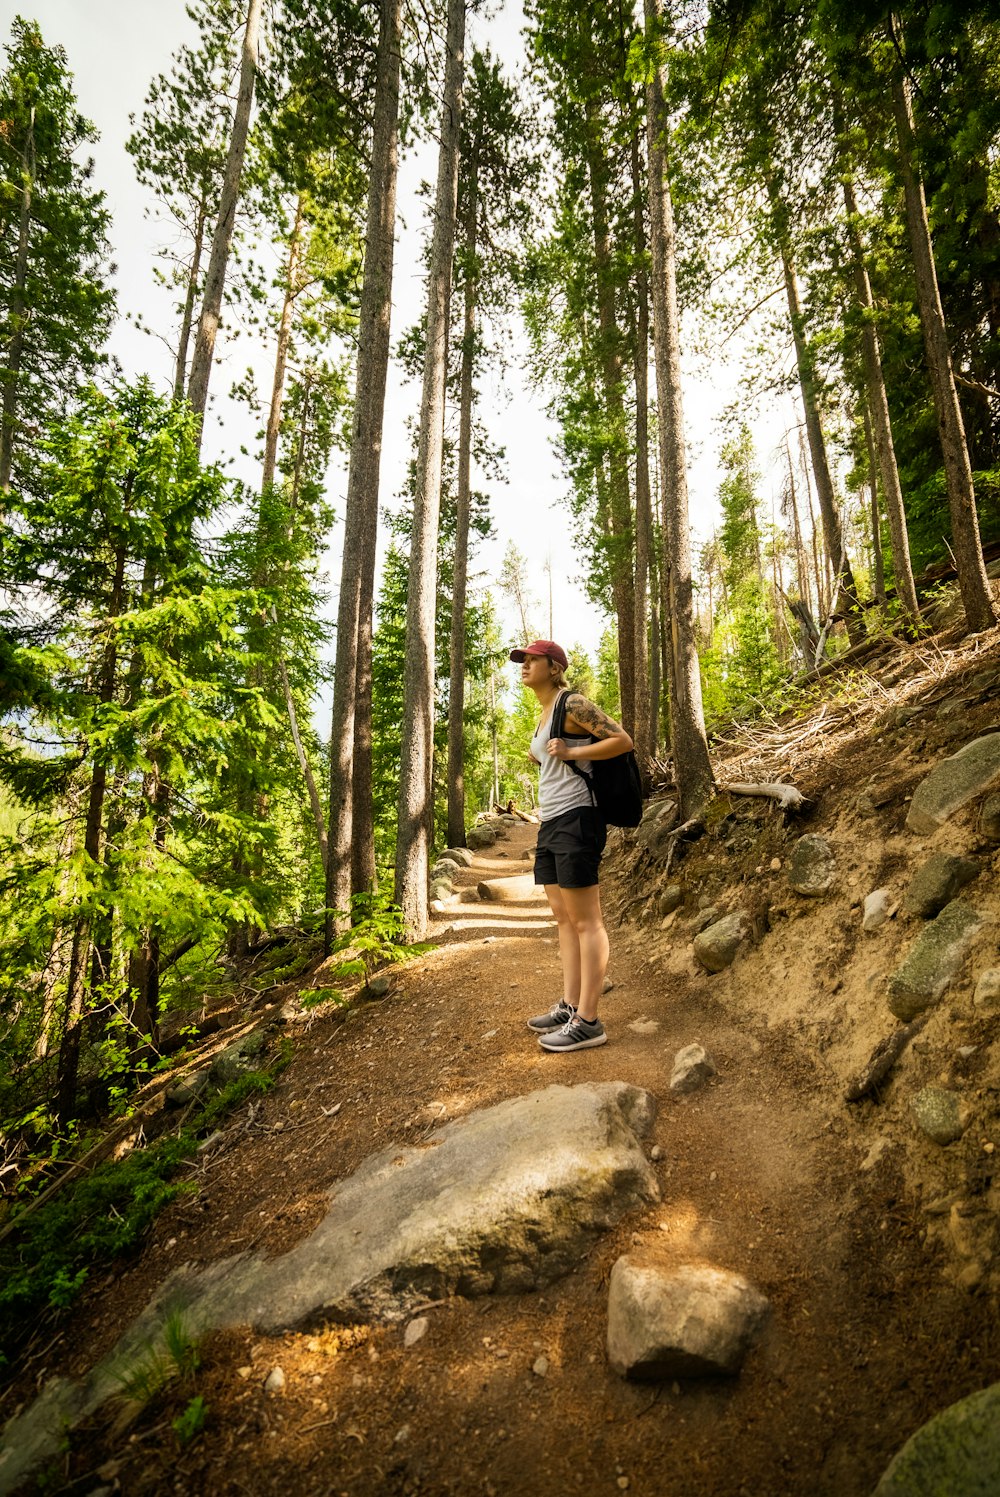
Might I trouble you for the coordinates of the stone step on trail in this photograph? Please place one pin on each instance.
(520, 889)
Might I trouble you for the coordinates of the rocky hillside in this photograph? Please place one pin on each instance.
(866, 921)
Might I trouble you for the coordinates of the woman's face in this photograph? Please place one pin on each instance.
(535, 669)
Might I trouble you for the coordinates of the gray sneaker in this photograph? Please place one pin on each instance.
(577, 1034)
(559, 1014)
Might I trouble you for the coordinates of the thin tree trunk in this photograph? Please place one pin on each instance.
(187, 318)
(801, 562)
(879, 428)
(222, 239)
(643, 509)
(304, 765)
(416, 793)
(300, 443)
(974, 586)
(829, 510)
(281, 352)
(361, 509)
(18, 312)
(878, 562)
(609, 351)
(456, 690)
(692, 766)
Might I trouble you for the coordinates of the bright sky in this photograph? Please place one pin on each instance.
(114, 48)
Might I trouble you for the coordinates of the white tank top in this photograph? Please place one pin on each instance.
(560, 788)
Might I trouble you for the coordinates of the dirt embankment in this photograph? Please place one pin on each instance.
(858, 1229)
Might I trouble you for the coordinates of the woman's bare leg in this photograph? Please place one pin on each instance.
(569, 945)
(583, 909)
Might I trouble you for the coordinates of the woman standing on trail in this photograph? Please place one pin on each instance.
(571, 839)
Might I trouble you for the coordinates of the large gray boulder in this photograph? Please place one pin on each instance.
(460, 855)
(717, 947)
(481, 837)
(953, 783)
(812, 866)
(956, 1454)
(937, 882)
(503, 1200)
(933, 960)
(690, 1321)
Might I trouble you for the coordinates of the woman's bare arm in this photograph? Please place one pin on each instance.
(582, 716)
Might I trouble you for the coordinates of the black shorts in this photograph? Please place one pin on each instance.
(569, 848)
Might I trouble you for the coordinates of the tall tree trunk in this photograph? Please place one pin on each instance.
(692, 766)
(361, 509)
(879, 426)
(363, 871)
(416, 792)
(18, 312)
(878, 562)
(643, 732)
(828, 507)
(281, 352)
(609, 353)
(187, 317)
(222, 239)
(974, 586)
(456, 689)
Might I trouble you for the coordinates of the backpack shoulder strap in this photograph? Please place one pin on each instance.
(557, 722)
(557, 730)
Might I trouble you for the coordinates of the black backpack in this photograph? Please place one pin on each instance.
(614, 784)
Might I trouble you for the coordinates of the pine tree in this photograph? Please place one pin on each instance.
(55, 306)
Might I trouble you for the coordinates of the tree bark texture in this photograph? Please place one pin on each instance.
(609, 354)
(980, 612)
(361, 509)
(881, 427)
(416, 797)
(222, 239)
(456, 689)
(692, 766)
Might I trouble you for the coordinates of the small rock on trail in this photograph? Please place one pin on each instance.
(683, 1322)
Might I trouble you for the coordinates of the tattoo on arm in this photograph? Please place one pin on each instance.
(590, 718)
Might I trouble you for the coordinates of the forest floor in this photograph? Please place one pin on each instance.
(766, 1171)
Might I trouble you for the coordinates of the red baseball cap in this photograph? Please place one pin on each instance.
(542, 647)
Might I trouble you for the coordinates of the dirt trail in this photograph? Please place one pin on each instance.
(760, 1173)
